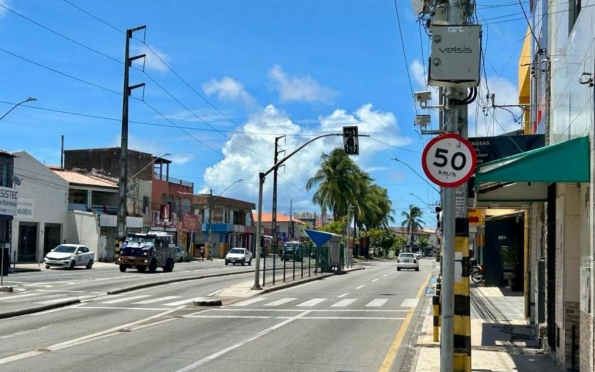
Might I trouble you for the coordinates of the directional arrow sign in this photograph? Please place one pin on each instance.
(319, 238)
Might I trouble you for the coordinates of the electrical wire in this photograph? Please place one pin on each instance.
(404, 52)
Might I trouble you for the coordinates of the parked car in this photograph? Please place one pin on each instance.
(418, 255)
(180, 254)
(69, 255)
(407, 260)
(238, 255)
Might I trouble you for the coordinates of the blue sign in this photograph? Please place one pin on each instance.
(319, 238)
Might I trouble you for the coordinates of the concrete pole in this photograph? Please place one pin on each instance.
(258, 233)
(210, 224)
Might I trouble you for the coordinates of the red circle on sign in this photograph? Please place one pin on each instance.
(464, 142)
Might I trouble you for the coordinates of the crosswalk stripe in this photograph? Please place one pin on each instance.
(153, 300)
(410, 302)
(125, 299)
(182, 302)
(281, 302)
(57, 300)
(344, 303)
(377, 302)
(249, 302)
(312, 302)
(19, 296)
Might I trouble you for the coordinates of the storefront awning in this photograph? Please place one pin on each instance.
(524, 176)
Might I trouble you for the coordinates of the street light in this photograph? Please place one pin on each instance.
(211, 201)
(421, 200)
(414, 171)
(17, 105)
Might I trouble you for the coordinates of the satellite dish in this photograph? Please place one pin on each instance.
(16, 179)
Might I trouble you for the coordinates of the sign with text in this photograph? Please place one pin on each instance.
(449, 160)
(8, 201)
(189, 223)
(25, 209)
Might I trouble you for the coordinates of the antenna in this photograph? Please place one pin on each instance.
(16, 179)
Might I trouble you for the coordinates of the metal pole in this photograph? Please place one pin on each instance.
(274, 211)
(258, 233)
(2, 269)
(210, 224)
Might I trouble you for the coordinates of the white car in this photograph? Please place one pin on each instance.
(180, 254)
(238, 255)
(69, 255)
(407, 260)
(418, 255)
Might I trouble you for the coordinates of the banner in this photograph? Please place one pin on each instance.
(8, 201)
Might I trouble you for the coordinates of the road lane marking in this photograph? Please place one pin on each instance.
(313, 310)
(280, 302)
(125, 299)
(312, 302)
(81, 340)
(214, 293)
(361, 286)
(19, 296)
(249, 302)
(391, 355)
(153, 300)
(385, 275)
(343, 295)
(410, 302)
(120, 308)
(344, 303)
(241, 343)
(374, 280)
(378, 302)
(346, 318)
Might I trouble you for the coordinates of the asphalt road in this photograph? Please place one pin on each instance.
(352, 322)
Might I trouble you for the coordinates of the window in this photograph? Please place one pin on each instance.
(145, 204)
(574, 8)
(78, 198)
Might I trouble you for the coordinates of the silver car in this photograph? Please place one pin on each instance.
(407, 261)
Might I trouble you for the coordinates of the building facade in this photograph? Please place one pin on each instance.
(41, 221)
(230, 225)
(8, 202)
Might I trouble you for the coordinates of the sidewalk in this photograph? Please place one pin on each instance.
(501, 340)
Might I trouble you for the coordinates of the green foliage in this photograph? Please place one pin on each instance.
(335, 227)
(423, 242)
(412, 221)
(400, 242)
(341, 183)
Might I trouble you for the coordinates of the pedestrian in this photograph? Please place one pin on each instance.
(202, 252)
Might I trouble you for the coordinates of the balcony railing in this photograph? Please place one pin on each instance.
(174, 180)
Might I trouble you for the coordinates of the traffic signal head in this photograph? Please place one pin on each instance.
(350, 140)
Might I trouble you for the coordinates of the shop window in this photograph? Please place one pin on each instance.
(78, 198)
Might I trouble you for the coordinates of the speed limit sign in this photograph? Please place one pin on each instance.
(449, 160)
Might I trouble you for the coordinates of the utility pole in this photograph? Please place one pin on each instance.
(274, 211)
(123, 184)
(455, 346)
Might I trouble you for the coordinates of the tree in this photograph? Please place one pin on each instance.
(412, 221)
(336, 182)
(341, 184)
(382, 238)
(424, 243)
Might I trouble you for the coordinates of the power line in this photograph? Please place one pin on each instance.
(404, 52)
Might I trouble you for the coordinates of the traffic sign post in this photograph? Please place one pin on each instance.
(449, 160)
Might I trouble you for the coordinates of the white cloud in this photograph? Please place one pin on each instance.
(298, 88)
(251, 152)
(228, 89)
(152, 62)
(495, 121)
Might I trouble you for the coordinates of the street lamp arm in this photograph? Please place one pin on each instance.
(17, 105)
(228, 187)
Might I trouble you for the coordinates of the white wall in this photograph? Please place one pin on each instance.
(84, 230)
(49, 193)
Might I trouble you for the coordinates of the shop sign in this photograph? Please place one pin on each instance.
(8, 201)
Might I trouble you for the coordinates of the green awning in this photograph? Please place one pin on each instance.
(563, 162)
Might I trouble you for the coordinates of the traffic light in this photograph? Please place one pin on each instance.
(350, 140)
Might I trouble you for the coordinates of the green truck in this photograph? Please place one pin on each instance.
(147, 252)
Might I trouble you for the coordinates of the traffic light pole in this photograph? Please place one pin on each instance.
(261, 179)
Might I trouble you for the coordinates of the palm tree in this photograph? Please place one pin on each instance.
(336, 181)
(412, 221)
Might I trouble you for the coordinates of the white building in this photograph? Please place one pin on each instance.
(41, 222)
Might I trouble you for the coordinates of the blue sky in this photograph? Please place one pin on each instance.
(237, 74)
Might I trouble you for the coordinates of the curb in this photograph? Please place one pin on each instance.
(31, 310)
(23, 270)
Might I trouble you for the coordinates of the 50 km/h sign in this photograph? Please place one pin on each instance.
(449, 160)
